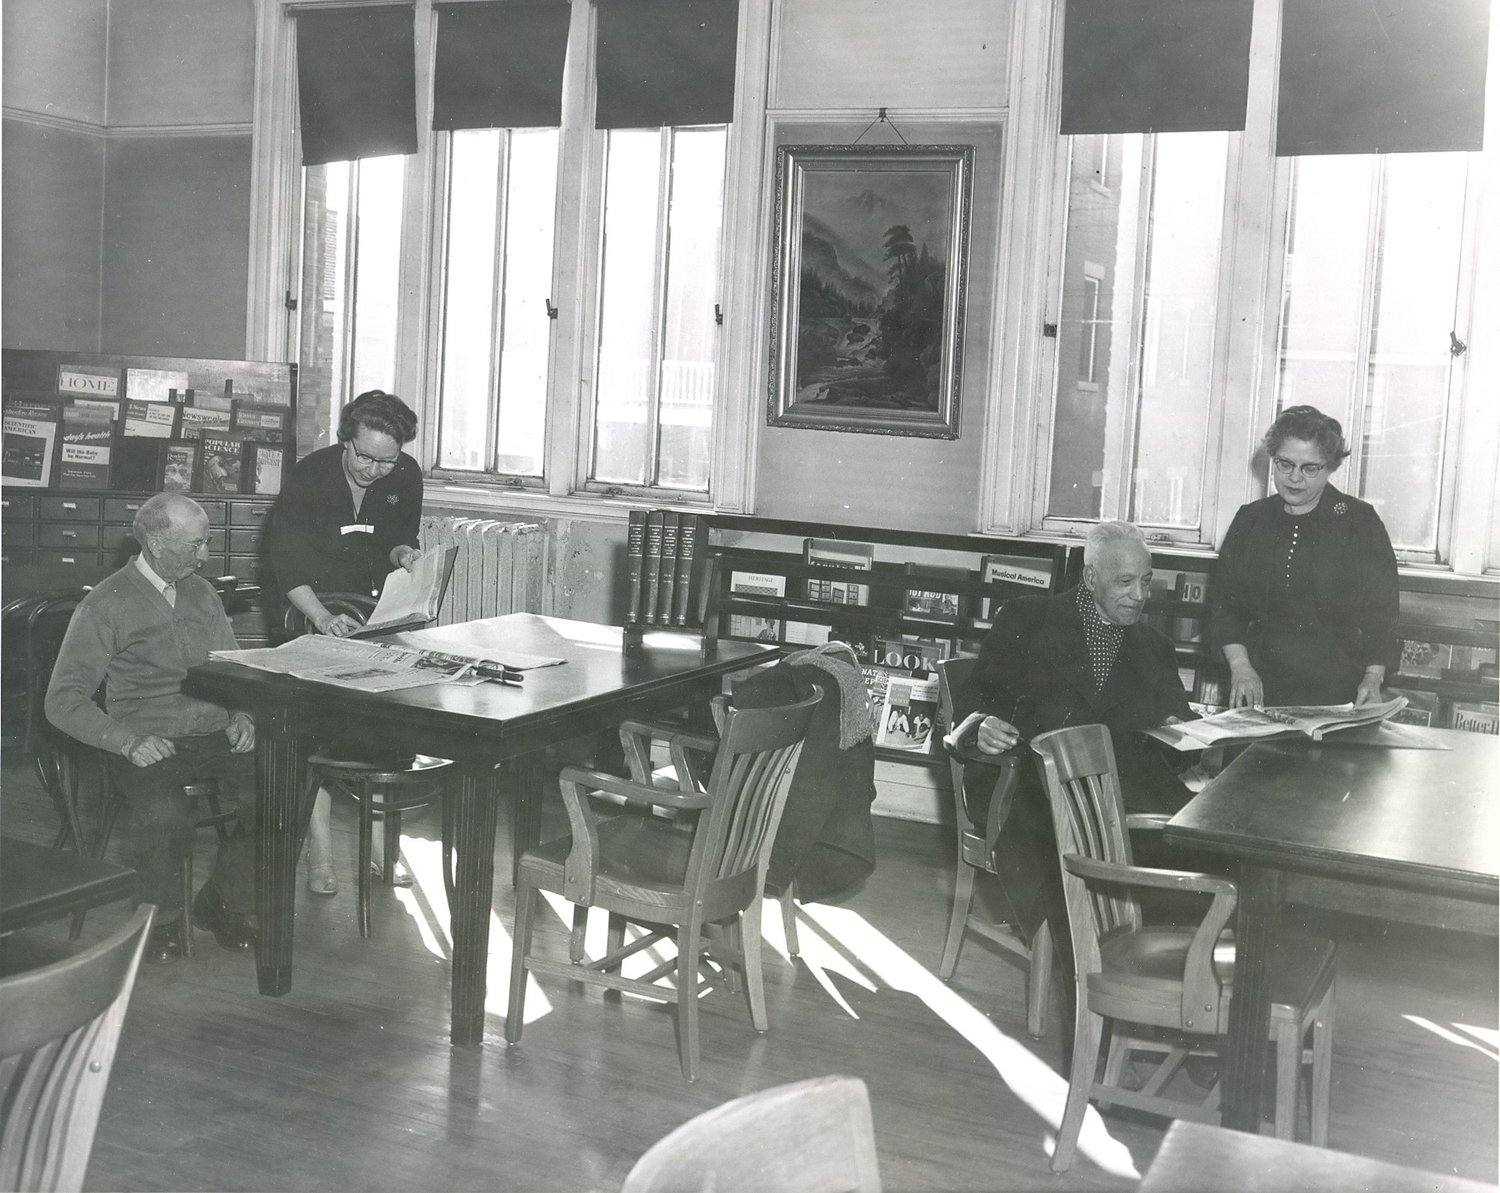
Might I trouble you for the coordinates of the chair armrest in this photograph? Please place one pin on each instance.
(575, 782)
(636, 738)
(1092, 869)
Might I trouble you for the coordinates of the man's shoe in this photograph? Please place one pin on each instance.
(164, 943)
(232, 930)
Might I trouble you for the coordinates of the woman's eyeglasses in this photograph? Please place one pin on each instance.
(371, 461)
(1285, 467)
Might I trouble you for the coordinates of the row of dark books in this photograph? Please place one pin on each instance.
(203, 443)
(661, 549)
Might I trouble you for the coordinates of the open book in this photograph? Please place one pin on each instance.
(1289, 720)
(411, 598)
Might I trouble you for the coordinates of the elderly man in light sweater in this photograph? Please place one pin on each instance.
(138, 632)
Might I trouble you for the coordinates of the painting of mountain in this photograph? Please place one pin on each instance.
(876, 250)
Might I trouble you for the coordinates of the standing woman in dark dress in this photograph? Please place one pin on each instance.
(347, 516)
(1305, 595)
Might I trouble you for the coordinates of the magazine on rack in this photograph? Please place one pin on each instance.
(1288, 720)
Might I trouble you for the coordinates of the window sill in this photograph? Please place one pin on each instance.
(453, 496)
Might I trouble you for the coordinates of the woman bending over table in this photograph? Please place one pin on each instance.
(347, 516)
(1305, 596)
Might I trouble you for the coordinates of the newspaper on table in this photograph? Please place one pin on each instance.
(369, 666)
(1288, 720)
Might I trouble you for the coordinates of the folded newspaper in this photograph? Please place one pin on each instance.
(372, 666)
(1287, 720)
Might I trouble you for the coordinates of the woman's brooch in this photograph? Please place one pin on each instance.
(1340, 507)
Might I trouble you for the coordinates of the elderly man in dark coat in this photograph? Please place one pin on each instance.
(1077, 658)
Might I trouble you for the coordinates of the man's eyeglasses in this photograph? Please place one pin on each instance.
(372, 461)
(1285, 467)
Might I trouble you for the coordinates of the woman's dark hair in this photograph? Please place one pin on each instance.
(376, 410)
(1312, 425)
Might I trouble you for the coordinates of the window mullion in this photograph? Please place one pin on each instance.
(659, 307)
(1363, 379)
(497, 287)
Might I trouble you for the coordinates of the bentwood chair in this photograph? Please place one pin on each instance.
(57, 1045)
(685, 858)
(976, 856)
(813, 1136)
(1163, 990)
(379, 786)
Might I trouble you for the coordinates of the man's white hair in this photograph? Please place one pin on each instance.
(1104, 534)
(158, 513)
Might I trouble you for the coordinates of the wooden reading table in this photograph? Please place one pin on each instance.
(1418, 819)
(493, 731)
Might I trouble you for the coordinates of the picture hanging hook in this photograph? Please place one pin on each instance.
(880, 118)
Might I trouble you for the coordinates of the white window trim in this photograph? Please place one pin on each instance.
(273, 262)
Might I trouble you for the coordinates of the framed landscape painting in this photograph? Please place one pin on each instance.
(867, 297)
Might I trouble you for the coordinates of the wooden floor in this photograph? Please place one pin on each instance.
(348, 1081)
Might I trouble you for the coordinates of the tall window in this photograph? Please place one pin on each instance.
(663, 214)
(502, 191)
(351, 262)
(1138, 310)
(1373, 262)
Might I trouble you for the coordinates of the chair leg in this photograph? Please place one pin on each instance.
(515, 1005)
(185, 930)
(689, 945)
(1088, 1030)
(366, 832)
(1288, 1044)
(1322, 1070)
(788, 901)
(1114, 1062)
(392, 847)
(963, 899)
(1039, 981)
(755, 986)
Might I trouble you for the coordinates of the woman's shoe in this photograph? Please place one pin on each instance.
(321, 879)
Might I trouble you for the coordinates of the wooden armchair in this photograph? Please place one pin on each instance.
(812, 1136)
(976, 855)
(58, 1034)
(685, 857)
(1162, 989)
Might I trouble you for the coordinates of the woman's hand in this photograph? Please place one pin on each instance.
(1369, 691)
(1245, 687)
(336, 625)
(405, 556)
(996, 736)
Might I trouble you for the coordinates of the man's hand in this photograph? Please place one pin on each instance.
(148, 750)
(996, 736)
(241, 733)
(1245, 687)
(338, 625)
(405, 557)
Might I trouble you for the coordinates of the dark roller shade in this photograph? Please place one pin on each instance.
(356, 81)
(1155, 66)
(500, 65)
(1381, 76)
(665, 62)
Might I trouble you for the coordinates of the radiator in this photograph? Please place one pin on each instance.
(499, 568)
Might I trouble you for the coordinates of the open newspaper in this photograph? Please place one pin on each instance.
(411, 599)
(376, 666)
(1288, 720)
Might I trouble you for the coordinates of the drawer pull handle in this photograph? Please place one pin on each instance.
(132, 506)
(70, 505)
(70, 534)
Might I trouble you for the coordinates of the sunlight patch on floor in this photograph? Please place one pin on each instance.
(1485, 1036)
(426, 902)
(849, 937)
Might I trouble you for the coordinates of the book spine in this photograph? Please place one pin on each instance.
(651, 567)
(687, 551)
(666, 585)
(635, 553)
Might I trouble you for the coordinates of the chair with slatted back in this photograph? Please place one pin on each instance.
(976, 855)
(1162, 989)
(685, 858)
(386, 787)
(58, 1036)
(814, 1136)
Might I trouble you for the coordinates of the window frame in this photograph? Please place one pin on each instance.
(271, 329)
